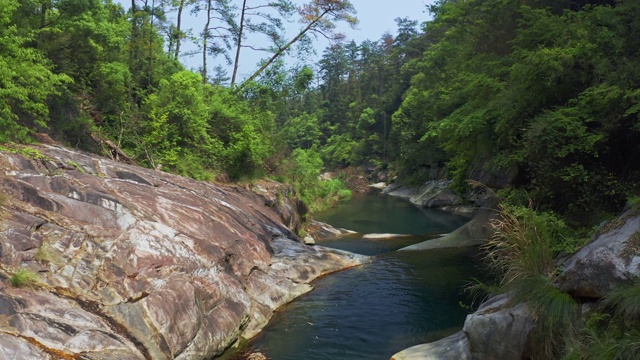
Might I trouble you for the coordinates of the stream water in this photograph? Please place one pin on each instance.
(370, 312)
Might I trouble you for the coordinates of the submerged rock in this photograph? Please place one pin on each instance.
(134, 263)
(384, 236)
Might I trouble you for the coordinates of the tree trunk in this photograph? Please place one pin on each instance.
(236, 63)
(283, 49)
(205, 37)
(179, 29)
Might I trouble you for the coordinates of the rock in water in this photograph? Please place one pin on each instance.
(134, 263)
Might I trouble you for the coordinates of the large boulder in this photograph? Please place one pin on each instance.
(610, 260)
(499, 330)
(134, 263)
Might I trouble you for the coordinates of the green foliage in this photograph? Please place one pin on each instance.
(556, 314)
(177, 127)
(527, 84)
(24, 150)
(26, 81)
(24, 278)
(245, 132)
(302, 132)
(526, 242)
(611, 331)
(303, 172)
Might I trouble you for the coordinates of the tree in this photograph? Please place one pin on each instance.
(177, 126)
(318, 16)
(270, 15)
(27, 81)
(178, 33)
(216, 39)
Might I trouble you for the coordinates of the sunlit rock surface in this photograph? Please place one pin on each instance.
(134, 263)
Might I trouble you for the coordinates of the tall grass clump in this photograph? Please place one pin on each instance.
(521, 254)
(24, 278)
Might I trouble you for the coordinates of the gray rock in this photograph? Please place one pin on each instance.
(320, 230)
(454, 347)
(612, 259)
(433, 193)
(442, 198)
(473, 233)
(13, 347)
(498, 331)
(493, 177)
(379, 186)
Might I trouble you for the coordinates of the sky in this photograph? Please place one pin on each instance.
(376, 17)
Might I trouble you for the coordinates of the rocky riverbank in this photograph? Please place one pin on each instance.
(133, 263)
(500, 329)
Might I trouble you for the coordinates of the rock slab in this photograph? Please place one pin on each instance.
(454, 347)
(134, 263)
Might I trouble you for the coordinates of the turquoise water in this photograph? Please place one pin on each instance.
(371, 312)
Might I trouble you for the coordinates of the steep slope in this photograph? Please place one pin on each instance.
(134, 263)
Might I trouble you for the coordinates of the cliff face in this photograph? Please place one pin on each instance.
(134, 263)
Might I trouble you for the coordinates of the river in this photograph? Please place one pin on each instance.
(370, 312)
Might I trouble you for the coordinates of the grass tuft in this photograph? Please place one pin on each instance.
(45, 253)
(24, 278)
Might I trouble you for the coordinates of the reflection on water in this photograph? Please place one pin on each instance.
(378, 213)
(371, 312)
